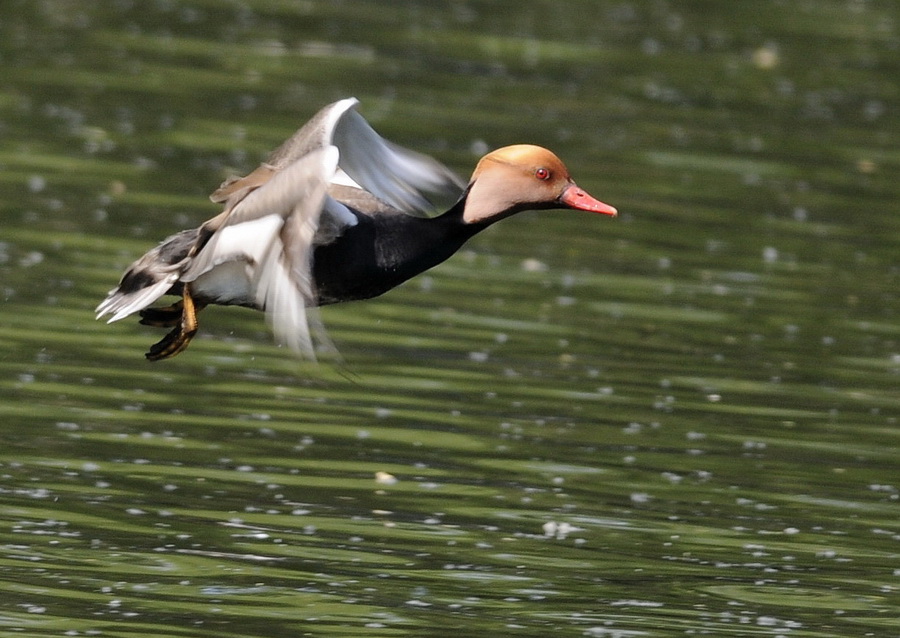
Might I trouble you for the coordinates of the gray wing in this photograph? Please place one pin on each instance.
(271, 230)
(408, 181)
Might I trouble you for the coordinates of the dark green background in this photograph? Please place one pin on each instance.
(705, 390)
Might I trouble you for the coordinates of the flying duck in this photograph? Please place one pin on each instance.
(336, 213)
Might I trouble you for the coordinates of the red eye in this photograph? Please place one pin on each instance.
(542, 173)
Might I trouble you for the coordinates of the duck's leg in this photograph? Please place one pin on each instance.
(167, 316)
(181, 335)
(164, 317)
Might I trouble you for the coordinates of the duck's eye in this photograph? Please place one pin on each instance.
(542, 173)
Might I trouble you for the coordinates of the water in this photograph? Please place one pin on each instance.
(679, 422)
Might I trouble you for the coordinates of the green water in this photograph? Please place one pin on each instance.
(679, 422)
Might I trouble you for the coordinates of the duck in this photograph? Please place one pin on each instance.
(336, 213)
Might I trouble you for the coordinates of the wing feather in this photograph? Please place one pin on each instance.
(408, 181)
(411, 182)
(280, 256)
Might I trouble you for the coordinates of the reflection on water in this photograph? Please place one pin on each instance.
(683, 421)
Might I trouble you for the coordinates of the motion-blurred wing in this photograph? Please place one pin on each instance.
(271, 231)
(411, 182)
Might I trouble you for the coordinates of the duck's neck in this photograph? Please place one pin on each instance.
(385, 250)
(415, 244)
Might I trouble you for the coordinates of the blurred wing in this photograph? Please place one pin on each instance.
(271, 230)
(411, 182)
(316, 134)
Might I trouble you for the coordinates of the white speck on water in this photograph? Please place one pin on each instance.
(608, 632)
(771, 621)
(715, 245)
(770, 254)
(385, 478)
(534, 265)
(479, 147)
(37, 183)
(651, 46)
(875, 487)
(635, 603)
(32, 258)
(766, 57)
(560, 531)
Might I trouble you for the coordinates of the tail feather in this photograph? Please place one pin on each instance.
(150, 277)
(121, 303)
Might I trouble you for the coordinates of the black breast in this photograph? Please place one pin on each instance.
(381, 252)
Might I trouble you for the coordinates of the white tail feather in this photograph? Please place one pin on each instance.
(123, 304)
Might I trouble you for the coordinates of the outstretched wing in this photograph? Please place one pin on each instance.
(408, 181)
(411, 182)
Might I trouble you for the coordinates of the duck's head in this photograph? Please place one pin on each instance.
(523, 177)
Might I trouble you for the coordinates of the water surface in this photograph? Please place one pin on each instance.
(679, 422)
